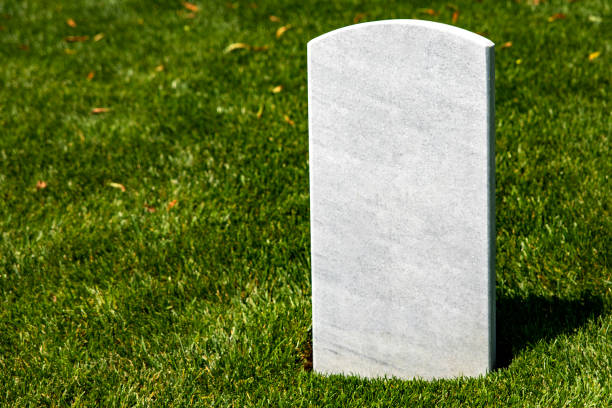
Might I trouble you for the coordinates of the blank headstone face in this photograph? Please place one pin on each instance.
(402, 200)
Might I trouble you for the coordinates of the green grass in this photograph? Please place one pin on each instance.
(103, 301)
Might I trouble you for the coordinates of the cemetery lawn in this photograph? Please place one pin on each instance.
(154, 230)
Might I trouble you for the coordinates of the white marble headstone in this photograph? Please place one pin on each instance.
(401, 122)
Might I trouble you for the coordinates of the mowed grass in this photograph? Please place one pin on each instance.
(192, 286)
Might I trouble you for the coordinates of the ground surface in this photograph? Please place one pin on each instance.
(192, 285)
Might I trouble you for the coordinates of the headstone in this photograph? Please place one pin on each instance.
(402, 200)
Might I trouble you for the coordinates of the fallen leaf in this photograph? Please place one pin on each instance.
(91, 75)
(98, 37)
(76, 38)
(507, 44)
(171, 204)
(96, 111)
(149, 208)
(274, 19)
(260, 48)
(594, 55)
(117, 185)
(159, 68)
(69, 51)
(557, 16)
(40, 185)
(431, 12)
(71, 22)
(54, 298)
(191, 6)
(358, 17)
(281, 30)
(260, 111)
(455, 16)
(289, 121)
(236, 46)
(277, 89)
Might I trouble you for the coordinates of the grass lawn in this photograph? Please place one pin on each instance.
(156, 252)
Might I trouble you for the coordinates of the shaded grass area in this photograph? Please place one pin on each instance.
(120, 298)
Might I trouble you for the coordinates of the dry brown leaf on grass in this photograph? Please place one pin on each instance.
(507, 44)
(171, 204)
(274, 19)
(41, 184)
(117, 186)
(455, 16)
(96, 111)
(594, 55)
(277, 89)
(91, 75)
(289, 121)
(98, 37)
(159, 68)
(76, 38)
(149, 208)
(236, 46)
(282, 30)
(430, 12)
(191, 7)
(243, 46)
(358, 17)
(71, 22)
(557, 16)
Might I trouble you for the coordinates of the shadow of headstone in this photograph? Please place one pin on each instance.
(524, 321)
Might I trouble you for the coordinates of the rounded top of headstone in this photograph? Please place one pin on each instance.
(430, 25)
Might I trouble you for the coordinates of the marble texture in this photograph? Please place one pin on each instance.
(401, 139)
